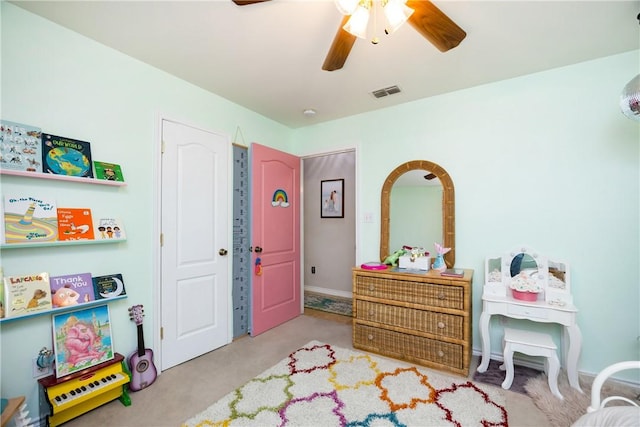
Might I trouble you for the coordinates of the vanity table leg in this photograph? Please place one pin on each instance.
(572, 332)
(486, 341)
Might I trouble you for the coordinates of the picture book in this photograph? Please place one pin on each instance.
(66, 156)
(109, 286)
(75, 224)
(108, 171)
(27, 294)
(29, 218)
(20, 147)
(81, 339)
(109, 228)
(71, 289)
(452, 272)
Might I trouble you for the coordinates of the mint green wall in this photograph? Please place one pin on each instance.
(557, 134)
(416, 217)
(70, 85)
(545, 160)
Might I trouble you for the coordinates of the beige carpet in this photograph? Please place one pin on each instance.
(563, 413)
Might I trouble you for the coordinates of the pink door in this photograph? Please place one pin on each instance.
(275, 237)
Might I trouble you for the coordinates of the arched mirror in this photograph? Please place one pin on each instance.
(438, 179)
(523, 263)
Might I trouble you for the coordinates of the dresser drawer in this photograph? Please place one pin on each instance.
(446, 325)
(445, 296)
(527, 312)
(403, 346)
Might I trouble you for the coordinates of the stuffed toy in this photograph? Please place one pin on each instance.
(394, 257)
(438, 263)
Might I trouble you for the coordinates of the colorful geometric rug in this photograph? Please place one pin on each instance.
(324, 385)
(328, 303)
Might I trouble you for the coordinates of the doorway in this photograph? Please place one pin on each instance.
(329, 242)
(194, 259)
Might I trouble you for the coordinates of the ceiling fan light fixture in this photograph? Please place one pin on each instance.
(397, 13)
(357, 24)
(346, 7)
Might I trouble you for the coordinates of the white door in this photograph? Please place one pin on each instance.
(195, 229)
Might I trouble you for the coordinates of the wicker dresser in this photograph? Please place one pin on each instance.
(421, 318)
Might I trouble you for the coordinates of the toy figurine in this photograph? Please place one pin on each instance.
(393, 258)
(439, 264)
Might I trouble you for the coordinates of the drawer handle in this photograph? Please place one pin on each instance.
(372, 312)
(441, 325)
(372, 288)
(370, 337)
(441, 296)
(440, 353)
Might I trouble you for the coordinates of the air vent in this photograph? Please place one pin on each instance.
(386, 91)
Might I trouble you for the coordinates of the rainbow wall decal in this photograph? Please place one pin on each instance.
(280, 198)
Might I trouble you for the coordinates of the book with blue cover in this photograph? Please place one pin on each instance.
(66, 156)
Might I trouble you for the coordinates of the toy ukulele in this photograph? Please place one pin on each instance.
(143, 371)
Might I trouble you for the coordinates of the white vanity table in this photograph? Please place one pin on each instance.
(553, 304)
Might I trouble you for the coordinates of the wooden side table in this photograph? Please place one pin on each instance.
(16, 409)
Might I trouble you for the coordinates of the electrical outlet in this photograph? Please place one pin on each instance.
(40, 372)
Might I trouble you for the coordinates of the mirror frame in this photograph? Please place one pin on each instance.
(448, 207)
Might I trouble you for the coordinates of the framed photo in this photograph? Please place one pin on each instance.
(332, 198)
(81, 339)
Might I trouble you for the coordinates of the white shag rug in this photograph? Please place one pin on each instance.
(324, 385)
(563, 413)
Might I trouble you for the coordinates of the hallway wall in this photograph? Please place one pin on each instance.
(329, 243)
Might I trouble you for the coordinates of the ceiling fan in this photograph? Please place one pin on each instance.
(427, 19)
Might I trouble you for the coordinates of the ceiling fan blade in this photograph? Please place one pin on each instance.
(340, 48)
(434, 25)
(246, 2)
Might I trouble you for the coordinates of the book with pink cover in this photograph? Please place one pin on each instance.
(71, 289)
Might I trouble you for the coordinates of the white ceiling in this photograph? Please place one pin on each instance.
(268, 56)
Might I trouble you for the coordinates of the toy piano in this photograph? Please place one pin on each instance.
(62, 399)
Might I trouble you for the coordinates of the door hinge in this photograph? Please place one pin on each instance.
(161, 239)
(162, 147)
(161, 333)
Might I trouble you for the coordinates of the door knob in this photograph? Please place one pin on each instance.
(258, 249)
(222, 252)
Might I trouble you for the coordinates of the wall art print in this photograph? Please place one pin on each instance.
(332, 198)
(81, 339)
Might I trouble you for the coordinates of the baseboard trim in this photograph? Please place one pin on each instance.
(328, 291)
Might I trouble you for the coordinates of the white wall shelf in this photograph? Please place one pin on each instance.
(58, 243)
(39, 175)
(64, 309)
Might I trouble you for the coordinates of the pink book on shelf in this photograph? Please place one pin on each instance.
(71, 289)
